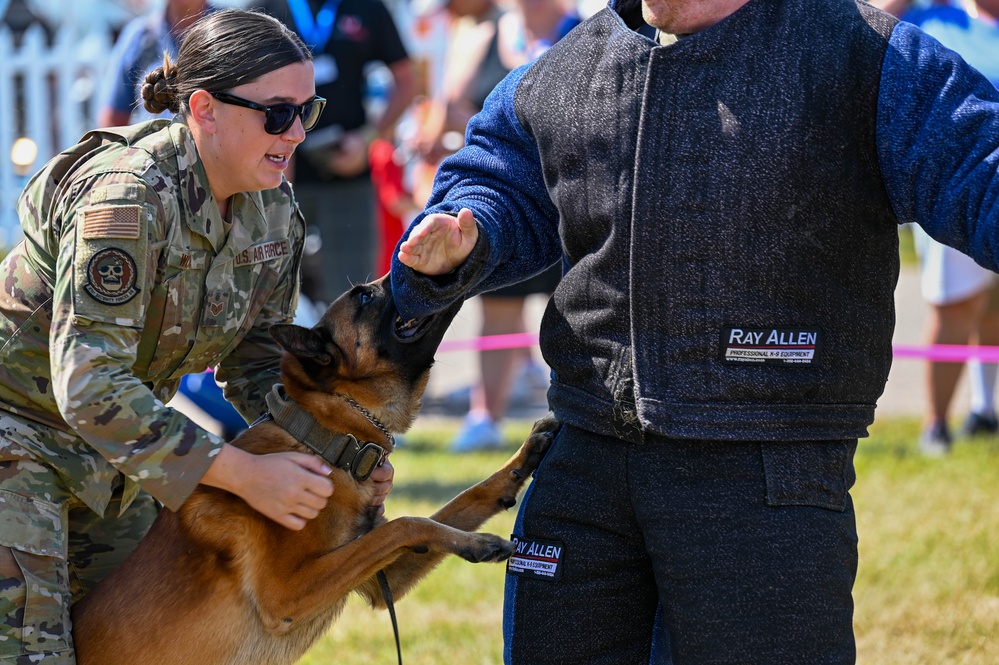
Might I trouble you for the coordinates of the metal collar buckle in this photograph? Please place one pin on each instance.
(361, 458)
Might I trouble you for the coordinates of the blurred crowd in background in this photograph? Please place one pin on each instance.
(402, 79)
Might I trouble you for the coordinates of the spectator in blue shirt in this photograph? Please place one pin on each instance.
(963, 296)
(138, 50)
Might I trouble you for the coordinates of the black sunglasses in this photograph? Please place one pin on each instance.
(278, 118)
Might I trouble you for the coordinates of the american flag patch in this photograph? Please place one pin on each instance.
(112, 222)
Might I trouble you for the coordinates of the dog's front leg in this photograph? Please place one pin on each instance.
(320, 583)
(471, 509)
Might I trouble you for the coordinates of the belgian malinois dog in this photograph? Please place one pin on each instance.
(216, 582)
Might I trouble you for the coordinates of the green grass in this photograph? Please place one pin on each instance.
(927, 590)
(906, 247)
(928, 586)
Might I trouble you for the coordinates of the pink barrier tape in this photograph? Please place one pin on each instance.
(490, 343)
(955, 353)
(939, 352)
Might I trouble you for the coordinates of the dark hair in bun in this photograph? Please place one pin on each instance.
(157, 93)
(223, 49)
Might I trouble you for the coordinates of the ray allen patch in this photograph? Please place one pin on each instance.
(541, 559)
(771, 346)
(111, 277)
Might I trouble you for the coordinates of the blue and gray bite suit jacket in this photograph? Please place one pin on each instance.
(726, 211)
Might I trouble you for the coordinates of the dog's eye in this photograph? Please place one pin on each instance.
(363, 298)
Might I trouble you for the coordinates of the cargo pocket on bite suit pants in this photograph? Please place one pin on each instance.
(809, 473)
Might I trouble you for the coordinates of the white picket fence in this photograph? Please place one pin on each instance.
(48, 94)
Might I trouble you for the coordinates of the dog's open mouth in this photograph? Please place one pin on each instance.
(411, 329)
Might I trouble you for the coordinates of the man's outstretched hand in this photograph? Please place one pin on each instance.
(440, 243)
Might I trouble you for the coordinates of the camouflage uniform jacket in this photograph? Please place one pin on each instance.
(127, 280)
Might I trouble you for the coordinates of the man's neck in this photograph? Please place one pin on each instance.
(683, 17)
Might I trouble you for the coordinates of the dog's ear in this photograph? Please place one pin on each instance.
(301, 342)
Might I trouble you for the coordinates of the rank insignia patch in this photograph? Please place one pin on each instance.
(111, 276)
(216, 308)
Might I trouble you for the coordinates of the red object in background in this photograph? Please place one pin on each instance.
(391, 199)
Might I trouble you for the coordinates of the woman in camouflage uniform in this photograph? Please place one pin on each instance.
(150, 252)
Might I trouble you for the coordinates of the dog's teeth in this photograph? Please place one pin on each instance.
(409, 327)
(404, 325)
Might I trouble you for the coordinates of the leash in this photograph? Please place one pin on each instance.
(387, 594)
(341, 450)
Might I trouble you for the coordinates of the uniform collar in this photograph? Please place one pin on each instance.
(201, 209)
(249, 225)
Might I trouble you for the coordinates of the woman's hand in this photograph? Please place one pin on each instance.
(382, 477)
(440, 243)
(289, 488)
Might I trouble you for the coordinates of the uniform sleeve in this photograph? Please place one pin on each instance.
(938, 144)
(498, 176)
(111, 238)
(248, 373)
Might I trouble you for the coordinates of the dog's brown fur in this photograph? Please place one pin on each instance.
(217, 582)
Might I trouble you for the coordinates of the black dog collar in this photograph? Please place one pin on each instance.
(340, 450)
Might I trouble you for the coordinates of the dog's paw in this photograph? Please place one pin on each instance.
(549, 424)
(537, 444)
(486, 547)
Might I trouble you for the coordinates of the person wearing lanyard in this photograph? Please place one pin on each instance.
(963, 296)
(332, 179)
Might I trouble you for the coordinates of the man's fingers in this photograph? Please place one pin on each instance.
(422, 231)
(466, 219)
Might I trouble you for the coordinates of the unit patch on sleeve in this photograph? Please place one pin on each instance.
(111, 277)
(771, 346)
(536, 558)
